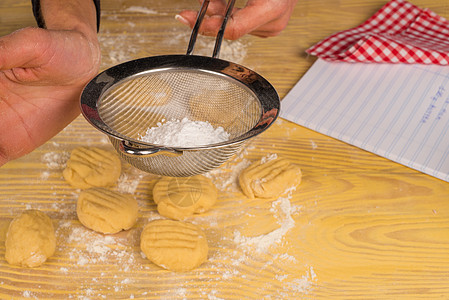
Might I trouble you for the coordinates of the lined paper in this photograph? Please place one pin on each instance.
(398, 111)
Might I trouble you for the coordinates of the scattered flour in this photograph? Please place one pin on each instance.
(185, 133)
(282, 210)
(55, 160)
(99, 247)
(226, 177)
(116, 54)
(247, 249)
(268, 158)
(27, 294)
(45, 175)
(128, 183)
(121, 47)
(304, 283)
(222, 266)
(119, 250)
(141, 9)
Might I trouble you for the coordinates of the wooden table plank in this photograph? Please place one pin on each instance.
(358, 227)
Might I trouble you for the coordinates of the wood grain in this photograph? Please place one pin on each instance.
(358, 227)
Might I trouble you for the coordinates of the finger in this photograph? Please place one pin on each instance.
(187, 17)
(251, 19)
(265, 34)
(257, 19)
(269, 29)
(263, 20)
(21, 49)
(216, 7)
(210, 25)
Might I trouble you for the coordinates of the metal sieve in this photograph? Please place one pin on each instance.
(127, 99)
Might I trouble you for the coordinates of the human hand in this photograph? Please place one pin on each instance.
(263, 18)
(42, 74)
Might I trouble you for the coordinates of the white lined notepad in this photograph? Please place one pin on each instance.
(397, 111)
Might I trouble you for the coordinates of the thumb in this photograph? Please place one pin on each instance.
(22, 48)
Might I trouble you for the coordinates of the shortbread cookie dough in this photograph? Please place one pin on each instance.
(174, 245)
(269, 178)
(30, 239)
(92, 167)
(106, 211)
(180, 197)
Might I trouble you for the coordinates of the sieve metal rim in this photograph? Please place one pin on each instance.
(99, 86)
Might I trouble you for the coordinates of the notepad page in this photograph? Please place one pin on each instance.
(398, 111)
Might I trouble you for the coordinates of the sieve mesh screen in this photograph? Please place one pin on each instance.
(132, 106)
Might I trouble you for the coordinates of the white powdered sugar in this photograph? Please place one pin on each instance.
(99, 248)
(228, 179)
(268, 158)
(128, 183)
(185, 133)
(141, 9)
(55, 160)
(282, 210)
(304, 283)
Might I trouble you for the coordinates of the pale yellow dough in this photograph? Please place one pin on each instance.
(92, 167)
(106, 211)
(180, 197)
(30, 239)
(269, 178)
(174, 245)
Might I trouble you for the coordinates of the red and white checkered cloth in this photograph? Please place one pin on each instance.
(399, 32)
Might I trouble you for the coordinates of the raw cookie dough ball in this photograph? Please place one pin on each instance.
(174, 245)
(92, 167)
(30, 239)
(269, 178)
(180, 197)
(106, 211)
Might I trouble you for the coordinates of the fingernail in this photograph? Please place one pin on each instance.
(182, 20)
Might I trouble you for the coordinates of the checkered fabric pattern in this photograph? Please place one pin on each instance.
(399, 32)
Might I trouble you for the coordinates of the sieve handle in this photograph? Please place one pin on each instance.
(220, 34)
(128, 149)
(196, 27)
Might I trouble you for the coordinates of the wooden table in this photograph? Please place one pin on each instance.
(358, 227)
